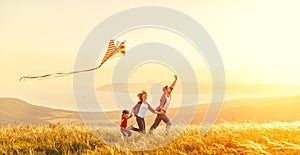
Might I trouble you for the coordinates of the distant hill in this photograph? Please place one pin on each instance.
(232, 89)
(284, 108)
(16, 111)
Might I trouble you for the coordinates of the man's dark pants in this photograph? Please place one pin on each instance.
(159, 118)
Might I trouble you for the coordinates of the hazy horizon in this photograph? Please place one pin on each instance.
(107, 100)
(257, 43)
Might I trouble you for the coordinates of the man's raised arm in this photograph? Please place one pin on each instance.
(173, 84)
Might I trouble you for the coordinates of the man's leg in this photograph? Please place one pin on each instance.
(166, 119)
(155, 123)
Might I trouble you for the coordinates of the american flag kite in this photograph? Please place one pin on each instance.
(112, 49)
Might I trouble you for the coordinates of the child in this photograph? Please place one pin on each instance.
(123, 127)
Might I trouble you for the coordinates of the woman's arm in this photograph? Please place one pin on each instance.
(160, 112)
(151, 109)
(134, 109)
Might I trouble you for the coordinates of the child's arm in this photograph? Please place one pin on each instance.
(122, 121)
(130, 115)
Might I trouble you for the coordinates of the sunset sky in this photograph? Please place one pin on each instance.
(258, 42)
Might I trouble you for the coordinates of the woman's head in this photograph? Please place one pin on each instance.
(142, 95)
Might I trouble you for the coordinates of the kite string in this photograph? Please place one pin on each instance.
(112, 50)
(59, 74)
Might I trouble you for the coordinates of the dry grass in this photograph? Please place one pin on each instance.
(223, 138)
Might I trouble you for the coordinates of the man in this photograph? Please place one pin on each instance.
(165, 101)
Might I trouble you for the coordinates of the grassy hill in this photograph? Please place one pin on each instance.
(16, 111)
(223, 138)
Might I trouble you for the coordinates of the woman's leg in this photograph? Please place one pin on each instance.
(141, 124)
(134, 129)
(143, 128)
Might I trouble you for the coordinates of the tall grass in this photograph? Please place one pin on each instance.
(223, 138)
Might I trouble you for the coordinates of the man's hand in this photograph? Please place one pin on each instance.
(159, 112)
(175, 76)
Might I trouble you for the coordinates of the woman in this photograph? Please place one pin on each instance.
(139, 111)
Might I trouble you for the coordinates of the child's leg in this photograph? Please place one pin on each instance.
(129, 133)
(126, 132)
(123, 132)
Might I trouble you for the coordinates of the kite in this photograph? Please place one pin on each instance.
(112, 49)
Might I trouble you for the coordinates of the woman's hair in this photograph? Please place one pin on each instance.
(125, 112)
(139, 95)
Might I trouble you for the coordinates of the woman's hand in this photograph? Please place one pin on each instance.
(159, 112)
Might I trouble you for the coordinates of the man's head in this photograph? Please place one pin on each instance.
(167, 89)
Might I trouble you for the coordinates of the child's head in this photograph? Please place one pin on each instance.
(125, 113)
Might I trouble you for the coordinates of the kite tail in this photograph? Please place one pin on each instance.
(55, 75)
(111, 50)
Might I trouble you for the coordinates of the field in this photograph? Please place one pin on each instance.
(223, 138)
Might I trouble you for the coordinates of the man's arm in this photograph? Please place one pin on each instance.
(173, 84)
(162, 102)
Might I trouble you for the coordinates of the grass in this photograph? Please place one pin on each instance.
(223, 138)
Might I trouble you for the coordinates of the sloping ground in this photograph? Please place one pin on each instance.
(223, 138)
(15, 111)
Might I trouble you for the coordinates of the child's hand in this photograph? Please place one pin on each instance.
(130, 115)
